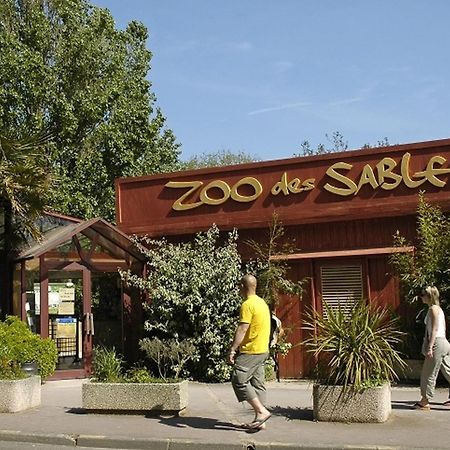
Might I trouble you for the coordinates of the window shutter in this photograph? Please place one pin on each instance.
(341, 286)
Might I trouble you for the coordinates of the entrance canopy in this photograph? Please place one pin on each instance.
(95, 242)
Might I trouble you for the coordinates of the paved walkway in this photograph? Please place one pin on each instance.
(209, 423)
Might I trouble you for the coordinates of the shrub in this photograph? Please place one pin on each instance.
(429, 264)
(193, 295)
(354, 345)
(169, 356)
(140, 375)
(9, 369)
(19, 345)
(108, 368)
(107, 365)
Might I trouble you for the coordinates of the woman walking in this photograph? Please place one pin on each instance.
(435, 348)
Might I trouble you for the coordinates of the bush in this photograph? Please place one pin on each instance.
(9, 369)
(169, 356)
(108, 368)
(193, 296)
(429, 264)
(140, 375)
(106, 365)
(19, 345)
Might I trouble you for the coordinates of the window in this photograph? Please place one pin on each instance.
(342, 286)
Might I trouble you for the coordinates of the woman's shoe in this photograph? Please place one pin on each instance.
(421, 407)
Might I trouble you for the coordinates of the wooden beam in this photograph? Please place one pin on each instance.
(343, 253)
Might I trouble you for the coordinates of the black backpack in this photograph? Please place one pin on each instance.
(276, 329)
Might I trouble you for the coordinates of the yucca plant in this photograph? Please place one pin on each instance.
(354, 345)
(107, 365)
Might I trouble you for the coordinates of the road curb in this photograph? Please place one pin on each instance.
(38, 438)
(96, 441)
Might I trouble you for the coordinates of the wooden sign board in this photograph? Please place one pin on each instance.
(334, 187)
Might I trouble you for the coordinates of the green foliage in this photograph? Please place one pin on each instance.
(20, 345)
(380, 143)
(272, 272)
(217, 159)
(354, 346)
(107, 365)
(9, 368)
(272, 275)
(170, 356)
(337, 141)
(429, 264)
(140, 375)
(193, 295)
(66, 67)
(25, 182)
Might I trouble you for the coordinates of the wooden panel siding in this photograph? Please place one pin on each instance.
(384, 286)
(291, 311)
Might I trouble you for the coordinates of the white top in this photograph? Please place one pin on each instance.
(440, 325)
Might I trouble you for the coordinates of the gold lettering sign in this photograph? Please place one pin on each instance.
(205, 199)
(292, 187)
(387, 174)
(384, 170)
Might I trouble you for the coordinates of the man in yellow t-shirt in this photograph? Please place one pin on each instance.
(252, 340)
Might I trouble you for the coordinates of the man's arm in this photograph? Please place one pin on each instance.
(238, 337)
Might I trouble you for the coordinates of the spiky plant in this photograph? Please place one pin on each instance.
(25, 179)
(354, 346)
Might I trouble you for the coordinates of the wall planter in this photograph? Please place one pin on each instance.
(135, 397)
(18, 395)
(331, 404)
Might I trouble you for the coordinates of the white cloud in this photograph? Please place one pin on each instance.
(243, 46)
(279, 108)
(283, 66)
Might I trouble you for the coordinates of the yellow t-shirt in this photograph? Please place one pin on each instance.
(255, 312)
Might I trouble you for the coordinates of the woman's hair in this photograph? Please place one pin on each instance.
(432, 293)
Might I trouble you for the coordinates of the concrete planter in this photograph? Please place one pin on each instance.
(135, 397)
(332, 404)
(18, 395)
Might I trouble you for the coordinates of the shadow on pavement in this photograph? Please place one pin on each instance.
(293, 413)
(196, 422)
(410, 405)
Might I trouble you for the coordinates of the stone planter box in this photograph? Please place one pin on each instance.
(18, 395)
(331, 404)
(135, 397)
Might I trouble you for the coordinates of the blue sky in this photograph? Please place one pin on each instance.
(262, 76)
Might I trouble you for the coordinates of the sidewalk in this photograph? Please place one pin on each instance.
(209, 423)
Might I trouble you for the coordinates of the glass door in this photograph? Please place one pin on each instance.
(65, 317)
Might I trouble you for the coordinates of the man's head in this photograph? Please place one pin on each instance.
(248, 285)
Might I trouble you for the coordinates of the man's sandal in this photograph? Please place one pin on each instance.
(421, 407)
(446, 403)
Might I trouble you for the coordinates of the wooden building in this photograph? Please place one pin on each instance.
(342, 209)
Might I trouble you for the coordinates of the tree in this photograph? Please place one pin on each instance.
(336, 139)
(25, 182)
(65, 66)
(380, 143)
(217, 159)
(338, 144)
(272, 272)
(429, 264)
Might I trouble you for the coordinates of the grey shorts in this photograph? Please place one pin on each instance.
(248, 377)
